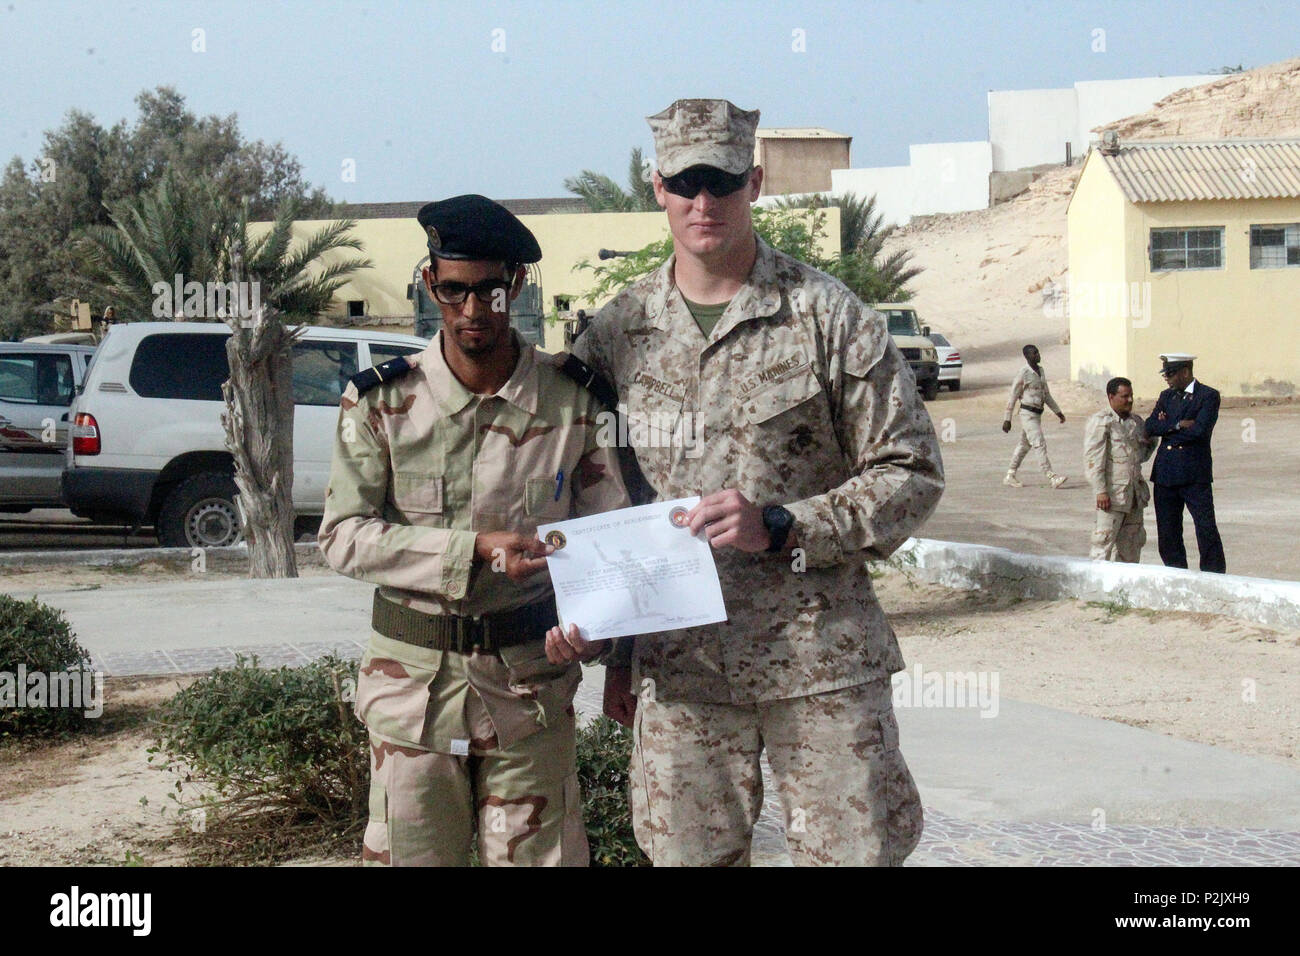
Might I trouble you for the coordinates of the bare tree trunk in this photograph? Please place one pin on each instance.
(259, 434)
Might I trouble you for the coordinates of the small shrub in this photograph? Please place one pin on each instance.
(281, 752)
(36, 639)
(287, 771)
(604, 750)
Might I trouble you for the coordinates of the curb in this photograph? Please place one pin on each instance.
(976, 566)
(232, 558)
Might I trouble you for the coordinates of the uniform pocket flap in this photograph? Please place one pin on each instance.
(418, 492)
(771, 400)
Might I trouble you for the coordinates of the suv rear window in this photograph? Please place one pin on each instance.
(171, 365)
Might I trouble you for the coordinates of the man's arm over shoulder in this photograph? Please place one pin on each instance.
(354, 536)
(599, 483)
(889, 440)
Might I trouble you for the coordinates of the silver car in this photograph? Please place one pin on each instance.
(37, 384)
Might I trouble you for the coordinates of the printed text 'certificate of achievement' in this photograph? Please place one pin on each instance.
(634, 571)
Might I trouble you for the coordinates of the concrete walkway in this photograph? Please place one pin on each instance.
(1033, 785)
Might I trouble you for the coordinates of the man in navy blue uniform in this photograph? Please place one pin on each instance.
(1184, 419)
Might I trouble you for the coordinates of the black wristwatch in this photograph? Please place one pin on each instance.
(778, 523)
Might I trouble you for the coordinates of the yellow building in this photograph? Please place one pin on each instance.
(395, 243)
(1187, 247)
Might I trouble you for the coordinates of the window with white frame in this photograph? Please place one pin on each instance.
(1198, 248)
(1275, 247)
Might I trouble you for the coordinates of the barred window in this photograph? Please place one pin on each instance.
(1275, 247)
(1200, 248)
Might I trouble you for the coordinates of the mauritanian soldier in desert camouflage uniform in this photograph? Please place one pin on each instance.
(1031, 391)
(445, 463)
(1114, 446)
(815, 455)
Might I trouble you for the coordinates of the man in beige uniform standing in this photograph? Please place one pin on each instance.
(444, 465)
(1031, 391)
(1114, 446)
(816, 454)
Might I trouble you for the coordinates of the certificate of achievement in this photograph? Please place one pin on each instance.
(634, 571)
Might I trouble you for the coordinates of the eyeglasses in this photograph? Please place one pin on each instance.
(455, 293)
(718, 182)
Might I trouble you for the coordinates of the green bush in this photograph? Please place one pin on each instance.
(280, 749)
(287, 767)
(35, 639)
(604, 750)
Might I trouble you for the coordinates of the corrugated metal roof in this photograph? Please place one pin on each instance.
(1225, 169)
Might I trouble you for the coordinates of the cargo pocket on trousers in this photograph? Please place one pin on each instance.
(393, 688)
(905, 822)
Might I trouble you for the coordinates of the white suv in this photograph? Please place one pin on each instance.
(147, 441)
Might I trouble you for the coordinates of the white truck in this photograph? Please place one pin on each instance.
(148, 447)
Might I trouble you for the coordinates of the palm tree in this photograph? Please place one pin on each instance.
(602, 194)
(863, 234)
(187, 230)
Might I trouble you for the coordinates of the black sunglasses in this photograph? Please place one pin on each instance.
(718, 182)
(454, 293)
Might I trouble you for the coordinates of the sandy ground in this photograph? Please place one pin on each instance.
(96, 800)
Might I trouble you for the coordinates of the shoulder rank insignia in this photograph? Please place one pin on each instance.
(590, 379)
(367, 379)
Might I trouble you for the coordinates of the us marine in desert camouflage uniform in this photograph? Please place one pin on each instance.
(1114, 446)
(816, 454)
(444, 465)
(1030, 389)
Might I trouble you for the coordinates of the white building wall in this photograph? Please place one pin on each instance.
(891, 185)
(950, 177)
(1105, 101)
(1031, 127)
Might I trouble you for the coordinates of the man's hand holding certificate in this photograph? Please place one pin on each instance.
(634, 571)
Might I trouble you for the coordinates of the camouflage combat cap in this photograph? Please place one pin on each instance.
(704, 133)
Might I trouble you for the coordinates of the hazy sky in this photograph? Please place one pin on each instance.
(435, 98)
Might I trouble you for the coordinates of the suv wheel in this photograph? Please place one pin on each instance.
(200, 513)
(930, 391)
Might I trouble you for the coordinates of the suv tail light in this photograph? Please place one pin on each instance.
(85, 435)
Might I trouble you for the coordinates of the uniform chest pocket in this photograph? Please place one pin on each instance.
(418, 492)
(540, 499)
(766, 403)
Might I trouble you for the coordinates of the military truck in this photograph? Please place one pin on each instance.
(526, 313)
(910, 336)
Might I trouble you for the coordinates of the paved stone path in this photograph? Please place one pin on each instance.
(947, 840)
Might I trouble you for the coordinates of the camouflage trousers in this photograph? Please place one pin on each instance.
(1119, 536)
(522, 800)
(847, 795)
(1031, 436)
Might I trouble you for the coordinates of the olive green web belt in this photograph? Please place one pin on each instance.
(451, 632)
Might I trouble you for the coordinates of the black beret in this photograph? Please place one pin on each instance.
(475, 227)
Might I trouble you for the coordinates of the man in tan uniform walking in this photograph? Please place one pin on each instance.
(816, 455)
(1114, 447)
(444, 465)
(1031, 391)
